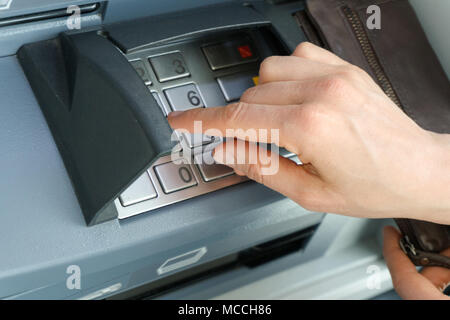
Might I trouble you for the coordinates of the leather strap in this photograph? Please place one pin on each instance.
(423, 258)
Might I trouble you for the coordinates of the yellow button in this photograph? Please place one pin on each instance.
(255, 80)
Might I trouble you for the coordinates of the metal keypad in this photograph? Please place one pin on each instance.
(234, 85)
(174, 177)
(230, 53)
(175, 87)
(169, 66)
(196, 140)
(209, 169)
(142, 71)
(142, 189)
(184, 97)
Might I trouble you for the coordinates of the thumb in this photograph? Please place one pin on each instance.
(273, 171)
(408, 283)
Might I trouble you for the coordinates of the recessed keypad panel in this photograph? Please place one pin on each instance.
(202, 73)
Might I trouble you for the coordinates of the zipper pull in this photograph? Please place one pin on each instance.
(407, 246)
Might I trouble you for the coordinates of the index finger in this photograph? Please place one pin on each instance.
(245, 121)
(312, 52)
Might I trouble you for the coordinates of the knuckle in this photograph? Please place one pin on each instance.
(351, 72)
(266, 67)
(249, 94)
(304, 50)
(234, 112)
(333, 84)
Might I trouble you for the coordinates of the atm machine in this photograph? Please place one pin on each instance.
(92, 205)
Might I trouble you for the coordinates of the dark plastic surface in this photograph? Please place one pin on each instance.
(131, 36)
(106, 123)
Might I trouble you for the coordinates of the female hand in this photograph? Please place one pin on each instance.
(362, 156)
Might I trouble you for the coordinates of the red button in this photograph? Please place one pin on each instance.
(245, 51)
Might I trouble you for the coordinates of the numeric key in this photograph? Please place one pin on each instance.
(169, 66)
(184, 97)
(175, 177)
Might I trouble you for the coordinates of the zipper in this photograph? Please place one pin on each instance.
(410, 237)
(369, 53)
(407, 247)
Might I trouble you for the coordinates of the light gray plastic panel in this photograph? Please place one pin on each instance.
(342, 272)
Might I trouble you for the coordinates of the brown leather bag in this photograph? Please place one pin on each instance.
(400, 59)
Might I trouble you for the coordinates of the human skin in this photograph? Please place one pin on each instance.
(408, 282)
(362, 156)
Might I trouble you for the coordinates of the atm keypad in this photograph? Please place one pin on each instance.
(234, 85)
(184, 97)
(209, 169)
(169, 66)
(142, 71)
(230, 53)
(140, 190)
(174, 177)
(196, 140)
(186, 75)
